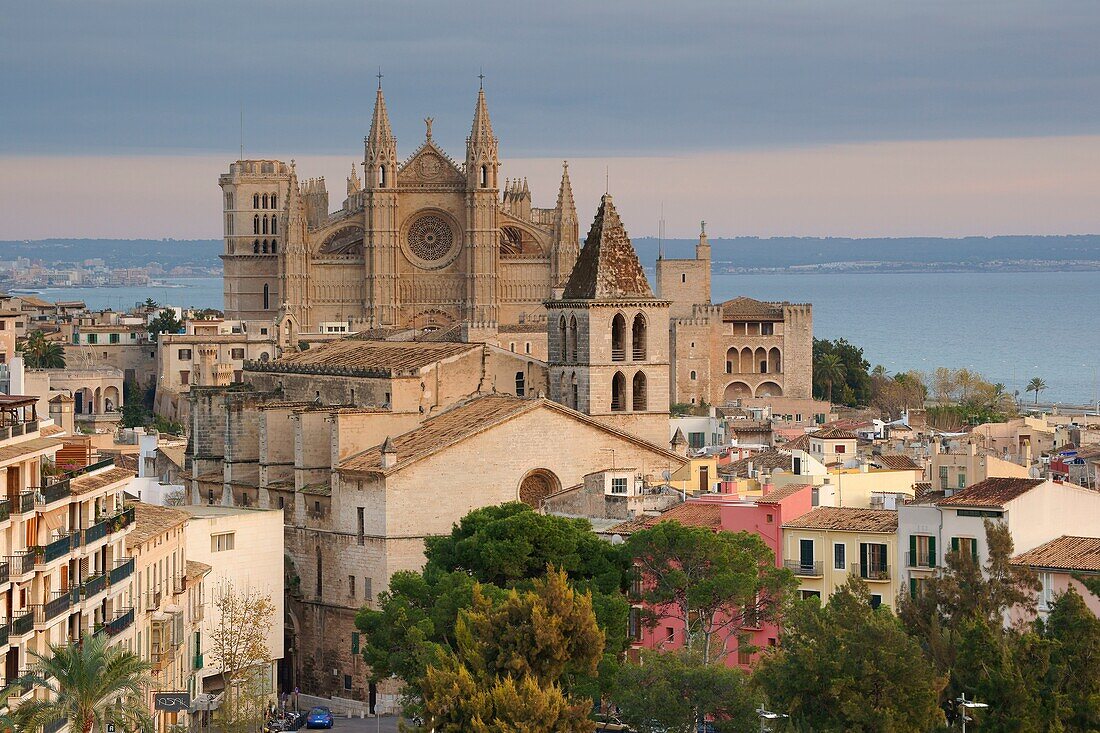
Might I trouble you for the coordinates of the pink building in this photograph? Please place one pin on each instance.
(763, 516)
(1056, 561)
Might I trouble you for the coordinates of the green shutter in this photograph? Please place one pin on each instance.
(932, 551)
(913, 551)
(954, 544)
(912, 587)
(355, 642)
(974, 549)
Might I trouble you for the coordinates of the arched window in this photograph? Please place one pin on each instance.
(638, 334)
(639, 396)
(692, 375)
(572, 339)
(265, 200)
(520, 384)
(274, 198)
(274, 247)
(256, 247)
(381, 176)
(618, 338)
(562, 337)
(256, 224)
(762, 360)
(484, 176)
(618, 392)
(274, 225)
(775, 361)
(264, 250)
(575, 392)
(255, 201)
(267, 296)
(265, 225)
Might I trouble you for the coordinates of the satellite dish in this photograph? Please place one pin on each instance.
(666, 475)
(616, 539)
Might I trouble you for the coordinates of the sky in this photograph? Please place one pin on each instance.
(764, 117)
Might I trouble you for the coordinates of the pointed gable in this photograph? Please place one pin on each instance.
(430, 166)
(608, 266)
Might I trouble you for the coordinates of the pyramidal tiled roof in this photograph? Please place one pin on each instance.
(608, 266)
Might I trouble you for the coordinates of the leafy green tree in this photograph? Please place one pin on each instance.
(134, 412)
(164, 322)
(510, 663)
(844, 379)
(670, 691)
(149, 304)
(848, 667)
(1073, 678)
(714, 584)
(1036, 385)
(40, 353)
(90, 684)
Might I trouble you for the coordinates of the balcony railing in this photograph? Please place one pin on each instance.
(22, 503)
(120, 622)
(153, 598)
(920, 560)
(96, 532)
(804, 569)
(21, 563)
(121, 571)
(5, 631)
(5, 571)
(54, 492)
(618, 354)
(122, 520)
(179, 584)
(93, 586)
(5, 509)
(59, 604)
(872, 572)
(23, 624)
(61, 547)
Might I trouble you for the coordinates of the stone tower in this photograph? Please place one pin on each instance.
(563, 256)
(482, 237)
(255, 221)
(608, 336)
(380, 201)
(686, 282)
(296, 260)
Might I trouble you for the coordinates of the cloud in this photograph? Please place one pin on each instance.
(905, 188)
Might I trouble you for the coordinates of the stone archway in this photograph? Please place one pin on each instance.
(736, 391)
(769, 389)
(537, 485)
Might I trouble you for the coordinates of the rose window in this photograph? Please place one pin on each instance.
(430, 238)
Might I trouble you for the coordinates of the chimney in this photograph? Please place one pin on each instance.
(61, 412)
(389, 454)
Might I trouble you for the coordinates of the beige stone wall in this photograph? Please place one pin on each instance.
(690, 361)
(685, 283)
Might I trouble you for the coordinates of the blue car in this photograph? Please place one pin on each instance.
(319, 717)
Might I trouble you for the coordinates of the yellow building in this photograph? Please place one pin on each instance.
(823, 547)
(697, 476)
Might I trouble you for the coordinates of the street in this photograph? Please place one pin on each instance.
(386, 724)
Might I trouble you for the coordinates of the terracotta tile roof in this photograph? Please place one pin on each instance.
(129, 461)
(99, 479)
(151, 520)
(923, 493)
(848, 519)
(993, 492)
(897, 462)
(766, 460)
(776, 495)
(608, 266)
(689, 514)
(834, 434)
(750, 426)
(743, 307)
(17, 450)
(50, 430)
(1064, 553)
(196, 569)
(800, 443)
(381, 358)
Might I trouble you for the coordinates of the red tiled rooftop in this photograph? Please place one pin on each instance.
(1064, 553)
(993, 492)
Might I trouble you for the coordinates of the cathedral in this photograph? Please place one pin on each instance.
(423, 243)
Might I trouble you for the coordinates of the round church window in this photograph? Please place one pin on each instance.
(430, 238)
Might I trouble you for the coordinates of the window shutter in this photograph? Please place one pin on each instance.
(913, 561)
(355, 642)
(912, 587)
(932, 552)
(974, 549)
(954, 544)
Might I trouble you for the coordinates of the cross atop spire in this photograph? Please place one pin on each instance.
(481, 78)
(379, 77)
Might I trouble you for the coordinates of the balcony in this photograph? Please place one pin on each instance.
(5, 572)
(61, 602)
(119, 623)
(121, 571)
(804, 569)
(5, 510)
(121, 521)
(93, 586)
(925, 560)
(60, 547)
(153, 599)
(96, 532)
(21, 563)
(21, 503)
(24, 624)
(54, 493)
(179, 585)
(872, 573)
(5, 631)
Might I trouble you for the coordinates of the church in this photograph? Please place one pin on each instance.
(426, 242)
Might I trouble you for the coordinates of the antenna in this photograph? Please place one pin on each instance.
(606, 179)
(661, 233)
(242, 131)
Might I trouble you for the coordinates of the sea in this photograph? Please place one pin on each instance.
(1009, 326)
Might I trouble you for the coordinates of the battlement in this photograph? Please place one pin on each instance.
(257, 169)
(314, 185)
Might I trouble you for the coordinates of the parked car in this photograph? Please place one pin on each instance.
(319, 717)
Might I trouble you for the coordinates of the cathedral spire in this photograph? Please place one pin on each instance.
(482, 129)
(565, 191)
(566, 231)
(481, 148)
(380, 159)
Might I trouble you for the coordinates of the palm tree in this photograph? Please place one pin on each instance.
(90, 684)
(39, 353)
(831, 370)
(1036, 385)
(879, 371)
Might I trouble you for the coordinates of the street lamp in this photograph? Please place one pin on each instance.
(767, 715)
(968, 705)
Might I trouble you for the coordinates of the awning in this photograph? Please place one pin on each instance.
(55, 519)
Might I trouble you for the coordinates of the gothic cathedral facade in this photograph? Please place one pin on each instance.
(422, 243)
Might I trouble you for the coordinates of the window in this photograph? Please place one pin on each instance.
(92, 339)
(618, 485)
(962, 480)
(185, 377)
(256, 247)
(274, 200)
(798, 417)
(367, 589)
(527, 347)
(839, 449)
(361, 523)
(990, 513)
(282, 502)
(618, 338)
(873, 561)
(639, 401)
(618, 392)
(767, 329)
(222, 541)
(520, 384)
(236, 353)
(683, 277)
(267, 296)
(634, 625)
(185, 354)
(839, 561)
(256, 224)
(355, 642)
(769, 518)
(692, 375)
(670, 635)
(1046, 595)
(351, 586)
(382, 176)
(744, 656)
(229, 201)
(876, 600)
(484, 176)
(922, 551)
(265, 201)
(806, 594)
(697, 440)
(274, 225)
(255, 201)
(943, 477)
(512, 346)
(638, 338)
(806, 554)
(347, 682)
(966, 546)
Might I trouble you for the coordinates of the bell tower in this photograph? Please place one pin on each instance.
(381, 217)
(482, 230)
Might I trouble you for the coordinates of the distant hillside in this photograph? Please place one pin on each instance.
(784, 252)
(739, 252)
(118, 252)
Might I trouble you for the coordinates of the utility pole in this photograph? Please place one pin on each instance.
(965, 705)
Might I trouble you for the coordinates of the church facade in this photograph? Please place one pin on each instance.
(426, 242)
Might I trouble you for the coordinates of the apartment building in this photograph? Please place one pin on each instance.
(65, 573)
